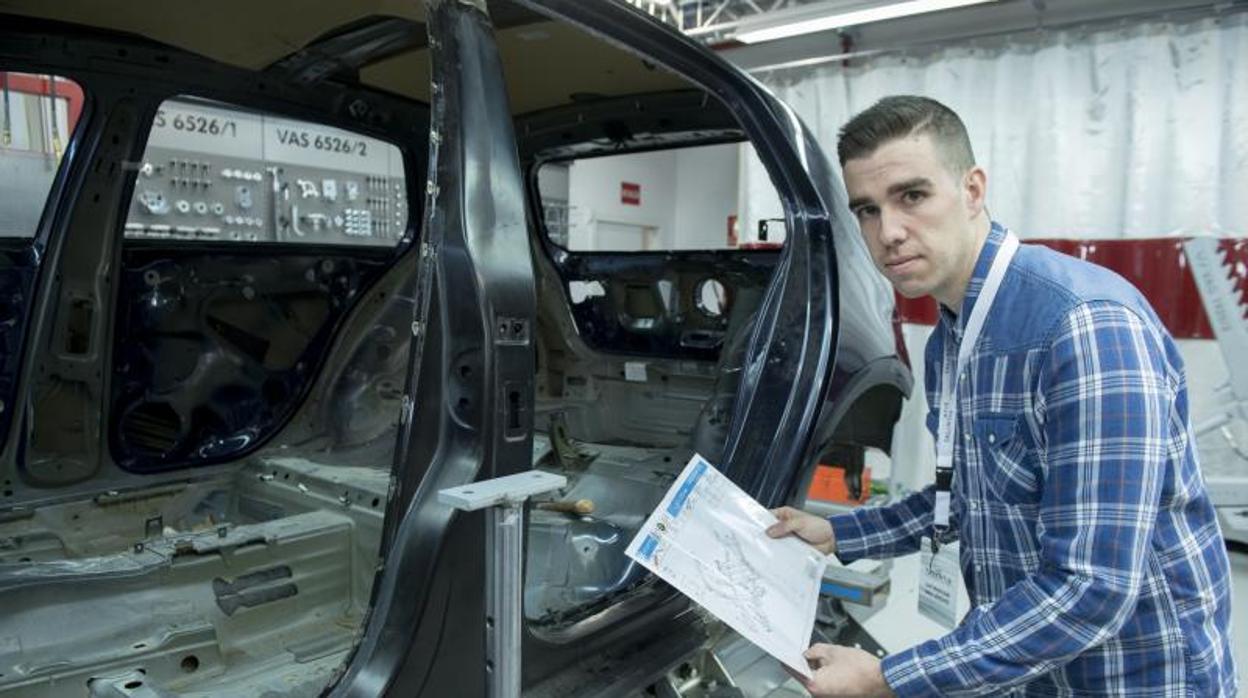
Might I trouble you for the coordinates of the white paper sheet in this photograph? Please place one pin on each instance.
(708, 539)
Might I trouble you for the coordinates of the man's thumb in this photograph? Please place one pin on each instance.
(780, 529)
(819, 652)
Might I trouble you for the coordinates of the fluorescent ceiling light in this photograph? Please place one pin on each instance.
(851, 18)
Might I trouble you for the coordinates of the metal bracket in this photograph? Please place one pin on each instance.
(504, 566)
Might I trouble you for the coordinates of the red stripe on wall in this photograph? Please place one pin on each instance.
(1156, 266)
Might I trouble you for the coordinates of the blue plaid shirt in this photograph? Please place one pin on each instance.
(1089, 545)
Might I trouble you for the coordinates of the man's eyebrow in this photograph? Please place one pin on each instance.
(913, 183)
(916, 183)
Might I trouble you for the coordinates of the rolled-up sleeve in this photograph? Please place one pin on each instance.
(1104, 400)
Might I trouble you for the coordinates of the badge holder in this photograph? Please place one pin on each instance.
(939, 577)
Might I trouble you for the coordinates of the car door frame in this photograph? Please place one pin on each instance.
(426, 630)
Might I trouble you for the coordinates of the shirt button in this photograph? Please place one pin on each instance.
(992, 438)
(967, 437)
(978, 568)
(973, 504)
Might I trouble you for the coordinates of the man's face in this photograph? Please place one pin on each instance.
(916, 216)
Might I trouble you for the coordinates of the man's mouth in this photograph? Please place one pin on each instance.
(901, 263)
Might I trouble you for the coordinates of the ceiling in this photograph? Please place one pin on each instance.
(958, 25)
(546, 63)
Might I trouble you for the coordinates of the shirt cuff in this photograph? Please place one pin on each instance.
(851, 543)
(903, 672)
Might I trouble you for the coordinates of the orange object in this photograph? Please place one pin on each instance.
(828, 485)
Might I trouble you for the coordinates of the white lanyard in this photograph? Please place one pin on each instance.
(951, 370)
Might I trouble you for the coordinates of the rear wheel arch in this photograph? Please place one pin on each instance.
(864, 413)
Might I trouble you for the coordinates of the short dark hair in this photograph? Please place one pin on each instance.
(901, 116)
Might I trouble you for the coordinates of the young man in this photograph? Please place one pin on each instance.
(1088, 545)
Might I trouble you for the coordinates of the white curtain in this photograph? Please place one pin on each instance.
(1136, 131)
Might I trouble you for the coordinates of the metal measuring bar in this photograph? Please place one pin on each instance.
(504, 566)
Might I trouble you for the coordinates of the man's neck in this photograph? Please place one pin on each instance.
(952, 296)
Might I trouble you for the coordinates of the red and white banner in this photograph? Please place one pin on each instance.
(1156, 266)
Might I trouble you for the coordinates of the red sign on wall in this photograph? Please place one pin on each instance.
(630, 193)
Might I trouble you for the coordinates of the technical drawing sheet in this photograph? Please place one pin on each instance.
(708, 539)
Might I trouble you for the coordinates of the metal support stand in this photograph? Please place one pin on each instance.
(504, 566)
(1224, 464)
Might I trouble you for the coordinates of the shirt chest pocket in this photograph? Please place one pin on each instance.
(1007, 465)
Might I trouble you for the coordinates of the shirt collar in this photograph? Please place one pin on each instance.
(956, 323)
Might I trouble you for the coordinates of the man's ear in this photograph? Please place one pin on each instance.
(975, 190)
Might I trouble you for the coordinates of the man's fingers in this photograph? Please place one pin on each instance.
(787, 523)
(806, 683)
(780, 529)
(819, 654)
(783, 513)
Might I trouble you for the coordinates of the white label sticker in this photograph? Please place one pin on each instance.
(635, 371)
(222, 131)
(300, 143)
(199, 128)
(939, 576)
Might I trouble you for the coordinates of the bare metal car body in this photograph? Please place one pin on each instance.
(221, 458)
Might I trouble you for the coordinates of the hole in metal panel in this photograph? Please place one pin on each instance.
(711, 298)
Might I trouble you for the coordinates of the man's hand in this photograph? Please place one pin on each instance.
(813, 529)
(840, 672)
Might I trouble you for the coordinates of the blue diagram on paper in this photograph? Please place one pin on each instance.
(714, 549)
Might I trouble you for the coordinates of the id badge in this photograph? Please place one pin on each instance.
(939, 577)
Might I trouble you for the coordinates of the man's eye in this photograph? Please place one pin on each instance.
(863, 212)
(913, 196)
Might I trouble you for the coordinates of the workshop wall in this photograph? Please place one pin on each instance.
(1137, 132)
(683, 196)
(707, 189)
(601, 219)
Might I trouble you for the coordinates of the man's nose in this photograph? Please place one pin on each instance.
(892, 229)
